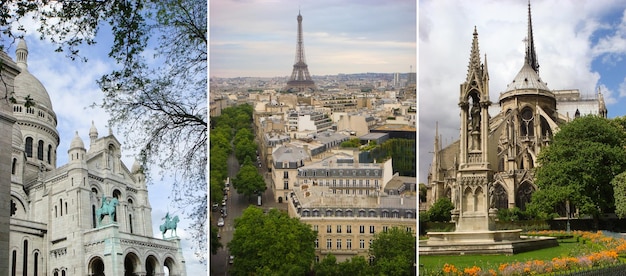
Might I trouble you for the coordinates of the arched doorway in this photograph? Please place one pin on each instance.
(96, 267)
(131, 264)
(151, 265)
(169, 267)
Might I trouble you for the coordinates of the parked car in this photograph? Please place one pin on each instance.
(231, 259)
(215, 206)
(220, 222)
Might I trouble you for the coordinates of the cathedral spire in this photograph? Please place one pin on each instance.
(474, 62)
(531, 55)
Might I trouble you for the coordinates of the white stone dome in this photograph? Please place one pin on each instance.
(77, 142)
(17, 140)
(27, 84)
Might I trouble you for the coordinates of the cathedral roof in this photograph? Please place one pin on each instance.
(27, 84)
(527, 78)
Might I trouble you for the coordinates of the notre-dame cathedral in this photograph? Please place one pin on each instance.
(500, 151)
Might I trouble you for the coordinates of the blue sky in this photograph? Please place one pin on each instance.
(579, 44)
(257, 38)
(72, 88)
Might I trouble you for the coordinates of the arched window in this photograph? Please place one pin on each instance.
(61, 205)
(524, 193)
(25, 259)
(361, 213)
(372, 213)
(40, 150)
(527, 123)
(111, 157)
(348, 213)
(501, 200)
(28, 148)
(13, 262)
(36, 264)
(329, 213)
(93, 216)
(49, 154)
(130, 222)
(14, 166)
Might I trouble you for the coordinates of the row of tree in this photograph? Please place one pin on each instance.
(583, 170)
(273, 243)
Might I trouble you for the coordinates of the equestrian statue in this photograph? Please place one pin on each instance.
(170, 224)
(107, 208)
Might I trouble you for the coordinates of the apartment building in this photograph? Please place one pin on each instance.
(346, 223)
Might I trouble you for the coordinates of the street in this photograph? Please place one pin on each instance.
(235, 205)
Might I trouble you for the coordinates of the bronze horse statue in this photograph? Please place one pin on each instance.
(107, 208)
(170, 224)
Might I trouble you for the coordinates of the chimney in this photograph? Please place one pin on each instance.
(355, 156)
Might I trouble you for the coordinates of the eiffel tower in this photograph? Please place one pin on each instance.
(300, 78)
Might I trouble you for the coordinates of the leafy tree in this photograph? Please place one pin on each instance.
(423, 192)
(352, 143)
(248, 181)
(585, 155)
(619, 189)
(441, 210)
(394, 252)
(160, 99)
(356, 265)
(271, 244)
(327, 266)
(215, 241)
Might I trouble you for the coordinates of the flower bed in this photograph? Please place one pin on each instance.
(609, 250)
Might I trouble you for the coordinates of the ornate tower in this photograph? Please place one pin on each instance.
(474, 174)
(300, 78)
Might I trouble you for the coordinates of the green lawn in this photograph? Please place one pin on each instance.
(430, 265)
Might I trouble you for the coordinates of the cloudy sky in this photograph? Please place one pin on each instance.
(257, 38)
(579, 44)
(72, 88)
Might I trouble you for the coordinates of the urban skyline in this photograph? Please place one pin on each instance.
(258, 38)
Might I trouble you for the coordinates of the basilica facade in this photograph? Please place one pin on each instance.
(496, 155)
(91, 216)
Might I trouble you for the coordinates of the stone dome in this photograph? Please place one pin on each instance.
(17, 140)
(93, 132)
(27, 84)
(77, 142)
(527, 78)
